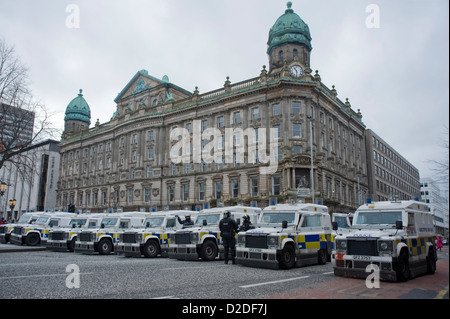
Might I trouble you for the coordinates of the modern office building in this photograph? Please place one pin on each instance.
(431, 194)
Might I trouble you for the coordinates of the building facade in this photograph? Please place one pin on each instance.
(247, 142)
(33, 182)
(390, 175)
(431, 194)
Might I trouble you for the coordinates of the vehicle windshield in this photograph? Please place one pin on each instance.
(377, 218)
(78, 222)
(24, 219)
(93, 224)
(341, 221)
(154, 221)
(42, 220)
(109, 221)
(277, 218)
(53, 222)
(210, 219)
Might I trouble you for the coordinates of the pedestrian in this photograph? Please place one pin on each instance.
(246, 223)
(187, 220)
(228, 228)
(439, 243)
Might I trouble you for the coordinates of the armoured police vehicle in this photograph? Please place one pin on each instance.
(155, 237)
(37, 233)
(203, 239)
(397, 238)
(64, 238)
(6, 229)
(287, 236)
(104, 238)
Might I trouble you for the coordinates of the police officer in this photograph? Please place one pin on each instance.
(187, 220)
(246, 223)
(228, 227)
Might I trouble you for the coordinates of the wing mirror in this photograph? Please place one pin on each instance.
(398, 224)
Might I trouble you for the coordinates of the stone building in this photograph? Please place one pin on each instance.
(246, 142)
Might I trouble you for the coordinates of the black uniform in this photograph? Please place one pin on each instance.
(187, 222)
(246, 225)
(228, 228)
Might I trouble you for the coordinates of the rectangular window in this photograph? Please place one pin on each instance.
(130, 195)
(237, 117)
(201, 191)
(296, 108)
(254, 187)
(234, 188)
(149, 171)
(296, 130)
(276, 109)
(275, 185)
(171, 193)
(185, 192)
(255, 113)
(276, 131)
(220, 121)
(218, 189)
(146, 194)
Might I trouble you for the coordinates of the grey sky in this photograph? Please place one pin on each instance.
(398, 74)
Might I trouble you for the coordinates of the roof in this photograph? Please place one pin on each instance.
(78, 110)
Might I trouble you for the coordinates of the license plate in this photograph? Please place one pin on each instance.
(255, 250)
(364, 258)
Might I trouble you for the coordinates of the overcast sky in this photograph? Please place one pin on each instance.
(396, 72)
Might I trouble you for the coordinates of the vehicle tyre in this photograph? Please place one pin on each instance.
(322, 256)
(431, 262)
(287, 257)
(208, 251)
(402, 269)
(105, 246)
(32, 239)
(151, 249)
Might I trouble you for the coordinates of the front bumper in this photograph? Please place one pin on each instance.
(350, 266)
(16, 239)
(4, 238)
(86, 247)
(185, 252)
(129, 250)
(58, 245)
(261, 258)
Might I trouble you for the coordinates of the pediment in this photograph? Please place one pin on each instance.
(140, 82)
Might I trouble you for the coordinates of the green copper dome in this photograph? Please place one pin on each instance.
(78, 110)
(289, 28)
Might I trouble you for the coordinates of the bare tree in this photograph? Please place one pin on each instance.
(24, 121)
(441, 167)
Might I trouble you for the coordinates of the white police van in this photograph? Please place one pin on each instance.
(287, 236)
(154, 239)
(203, 239)
(104, 238)
(396, 237)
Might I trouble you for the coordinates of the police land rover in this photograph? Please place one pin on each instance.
(287, 236)
(37, 233)
(155, 237)
(104, 238)
(6, 229)
(396, 237)
(64, 238)
(203, 240)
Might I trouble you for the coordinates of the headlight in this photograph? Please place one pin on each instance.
(23, 231)
(386, 245)
(241, 239)
(272, 240)
(194, 237)
(138, 237)
(66, 236)
(341, 244)
(93, 236)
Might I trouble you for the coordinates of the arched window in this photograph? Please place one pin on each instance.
(295, 53)
(281, 55)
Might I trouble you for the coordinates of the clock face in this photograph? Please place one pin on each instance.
(296, 71)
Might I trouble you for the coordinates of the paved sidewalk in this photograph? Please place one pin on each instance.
(11, 248)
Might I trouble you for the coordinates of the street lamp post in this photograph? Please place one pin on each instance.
(3, 188)
(12, 204)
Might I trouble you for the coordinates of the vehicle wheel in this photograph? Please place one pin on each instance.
(71, 245)
(105, 246)
(402, 269)
(287, 257)
(33, 239)
(322, 256)
(208, 251)
(151, 249)
(431, 262)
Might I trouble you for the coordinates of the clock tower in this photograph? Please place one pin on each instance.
(289, 42)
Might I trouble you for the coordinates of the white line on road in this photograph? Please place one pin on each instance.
(273, 282)
(37, 276)
(328, 273)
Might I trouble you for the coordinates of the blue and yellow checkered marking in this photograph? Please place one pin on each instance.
(417, 246)
(164, 238)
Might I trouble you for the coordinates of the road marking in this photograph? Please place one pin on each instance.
(328, 273)
(273, 282)
(442, 293)
(184, 268)
(37, 276)
(166, 297)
